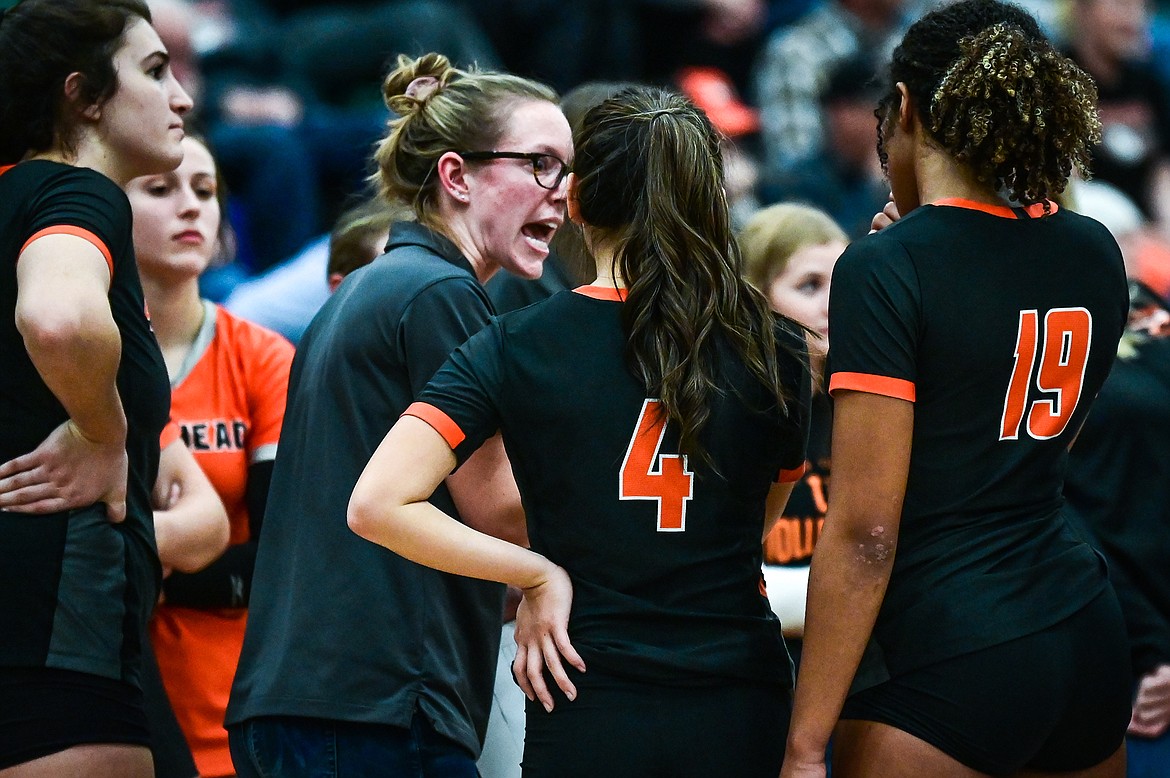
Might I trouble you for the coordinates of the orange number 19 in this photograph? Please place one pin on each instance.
(1066, 335)
(648, 475)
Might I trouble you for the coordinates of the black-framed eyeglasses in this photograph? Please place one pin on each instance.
(548, 170)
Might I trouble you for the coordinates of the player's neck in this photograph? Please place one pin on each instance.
(941, 177)
(608, 272)
(176, 316)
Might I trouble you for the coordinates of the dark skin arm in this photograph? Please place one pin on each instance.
(851, 565)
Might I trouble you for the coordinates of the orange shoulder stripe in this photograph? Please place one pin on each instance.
(78, 232)
(443, 424)
(789, 476)
(898, 388)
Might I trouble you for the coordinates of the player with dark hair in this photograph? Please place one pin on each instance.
(87, 102)
(980, 634)
(655, 421)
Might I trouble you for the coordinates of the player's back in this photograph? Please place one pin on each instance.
(663, 548)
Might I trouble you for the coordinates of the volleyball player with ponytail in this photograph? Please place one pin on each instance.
(655, 421)
(956, 624)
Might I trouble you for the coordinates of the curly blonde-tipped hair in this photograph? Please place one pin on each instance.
(994, 94)
(448, 110)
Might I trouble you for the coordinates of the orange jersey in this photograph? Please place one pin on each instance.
(228, 402)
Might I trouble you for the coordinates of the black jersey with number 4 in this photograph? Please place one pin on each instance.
(663, 550)
(1000, 325)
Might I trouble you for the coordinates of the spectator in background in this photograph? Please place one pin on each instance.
(1143, 247)
(254, 122)
(1110, 39)
(1118, 486)
(641, 40)
(737, 124)
(286, 297)
(360, 236)
(845, 176)
(290, 95)
(789, 252)
(794, 67)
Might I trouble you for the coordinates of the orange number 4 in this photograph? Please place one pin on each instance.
(1066, 335)
(648, 475)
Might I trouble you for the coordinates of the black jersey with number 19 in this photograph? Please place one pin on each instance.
(1000, 325)
(663, 550)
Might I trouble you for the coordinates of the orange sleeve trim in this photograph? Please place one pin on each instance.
(443, 424)
(4, 169)
(897, 388)
(789, 476)
(169, 435)
(78, 232)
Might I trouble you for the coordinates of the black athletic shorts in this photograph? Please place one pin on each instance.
(1057, 700)
(44, 711)
(620, 728)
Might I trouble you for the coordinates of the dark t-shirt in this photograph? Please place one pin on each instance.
(1000, 326)
(338, 627)
(79, 588)
(663, 550)
(1119, 486)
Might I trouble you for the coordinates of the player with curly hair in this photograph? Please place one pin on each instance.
(956, 625)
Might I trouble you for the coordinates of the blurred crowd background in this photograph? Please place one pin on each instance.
(288, 94)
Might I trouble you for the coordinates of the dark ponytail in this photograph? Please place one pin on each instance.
(650, 175)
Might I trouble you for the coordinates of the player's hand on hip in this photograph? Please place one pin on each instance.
(66, 471)
(542, 638)
(1151, 707)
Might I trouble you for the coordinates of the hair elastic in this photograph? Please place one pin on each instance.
(422, 87)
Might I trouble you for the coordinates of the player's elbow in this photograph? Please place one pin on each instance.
(361, 514)
(872, 545)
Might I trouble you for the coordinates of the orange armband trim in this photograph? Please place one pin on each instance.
(77, 232)
(442, 423)
(898, 388)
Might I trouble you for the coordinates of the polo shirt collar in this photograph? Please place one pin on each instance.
(414, 234)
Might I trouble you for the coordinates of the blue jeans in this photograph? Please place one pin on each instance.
(293, 747)
(1147, 758)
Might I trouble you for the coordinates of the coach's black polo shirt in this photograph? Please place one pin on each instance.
(340, 628)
